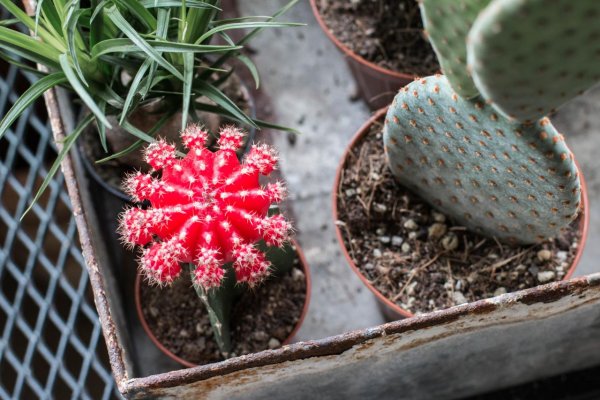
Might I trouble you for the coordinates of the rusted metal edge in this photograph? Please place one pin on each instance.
(336, 345)
(97, 280)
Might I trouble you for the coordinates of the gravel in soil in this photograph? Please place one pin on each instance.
(416, 256)
(388, 33)
(261, 319)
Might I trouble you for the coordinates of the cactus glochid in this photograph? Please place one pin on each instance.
(447, 23)
(206, 210)
(530, 57)
(517, 182)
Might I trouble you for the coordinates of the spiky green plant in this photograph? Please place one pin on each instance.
(162, 46)
(516, 182)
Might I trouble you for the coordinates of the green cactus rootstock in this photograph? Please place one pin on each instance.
(530, 57)
(447, 23)
(516, 182)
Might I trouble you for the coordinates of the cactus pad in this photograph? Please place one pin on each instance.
(447, 23)
(529, 57)
(512, 181)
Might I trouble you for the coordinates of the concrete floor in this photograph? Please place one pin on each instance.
(312, 90)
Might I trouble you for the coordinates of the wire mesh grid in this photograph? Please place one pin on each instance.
(51, 343)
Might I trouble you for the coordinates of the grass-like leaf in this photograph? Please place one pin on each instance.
(245, 25)
(188, 75)
(81, 91)
(251, 67)
(176, 3)
(221, 100)
(135, 37)
(66, 146)
(30, 95)
(134, 89)
(123, 45)
(139, 11)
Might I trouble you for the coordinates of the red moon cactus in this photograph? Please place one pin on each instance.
(207, 209)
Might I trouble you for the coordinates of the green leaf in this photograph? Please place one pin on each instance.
(29, 48)
(134, 89)
(132, 34)
(66, 146)
(101, 126)
(251, 67)
(257, 122)
(139, 11)
(81, 91)
(30, 24)
(123, 45)
(245, 25)
(188, 75)
(161, 122)
(162, 28)
(96, 25)
(137, 132)
(71, 26)
(33, 93)
(210, 91)
(176, 3)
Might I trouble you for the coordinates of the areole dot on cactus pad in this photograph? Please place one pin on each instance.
(507, 180)
(207, 209)
(447, 23)
(530, 57)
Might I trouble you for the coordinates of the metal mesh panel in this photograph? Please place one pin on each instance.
(51, 344)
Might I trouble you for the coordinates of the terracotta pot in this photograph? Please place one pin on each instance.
(186, 363)
(377, 85)
(391, 310)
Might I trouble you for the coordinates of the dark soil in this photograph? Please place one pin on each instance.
(388, 33)
(261, 319)
(418, 258)
(114, 171)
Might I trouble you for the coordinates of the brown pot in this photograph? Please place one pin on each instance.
(167, 352)
(391, 310)
(377, 85)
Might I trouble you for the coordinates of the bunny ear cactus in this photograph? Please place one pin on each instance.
(516, 182)
(207, 210)
(530, 57)
(447, 23)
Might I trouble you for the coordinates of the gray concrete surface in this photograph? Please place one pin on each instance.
(311, 89)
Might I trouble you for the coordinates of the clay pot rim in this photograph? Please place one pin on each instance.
(185, 363)
(344, 49)
(583, 228)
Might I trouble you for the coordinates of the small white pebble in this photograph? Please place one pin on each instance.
(411, 225)
(377, 253)
(397, 240)
(369, 266)
(439, 217)
(274, 343)
(405, 247)
(561, 255)
(384, 239)
(500, 291)
(298, 275)
(521, 267)
(459, 298)
(436, 231)
(412, 235)
(450, 242)
(350, 192)
(544, 255)
(545, 276)
(380, 208)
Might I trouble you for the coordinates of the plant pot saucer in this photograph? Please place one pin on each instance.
(284, 291)
(481, 268)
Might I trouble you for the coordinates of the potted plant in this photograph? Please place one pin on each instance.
(141, 69)
(207, 212)
(487, 201)
(383, 43)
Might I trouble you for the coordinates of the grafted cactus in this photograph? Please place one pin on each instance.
(447, 24)
(529, 57)
(207, 210)
(508, 180)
